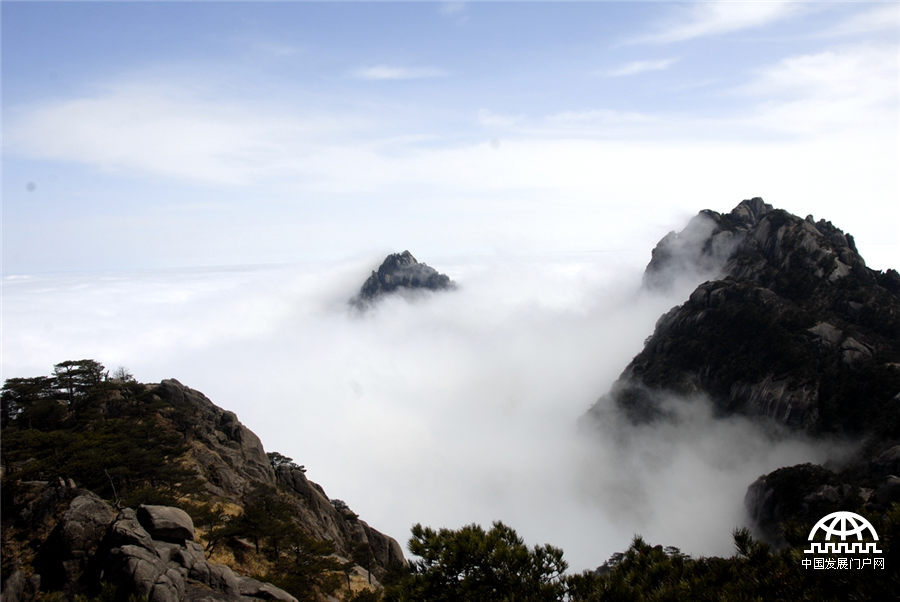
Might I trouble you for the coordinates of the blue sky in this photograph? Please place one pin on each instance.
(172, 134)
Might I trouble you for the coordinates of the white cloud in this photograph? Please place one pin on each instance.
(840, 89)
(395, 72)
(878, 18)
(637, 67)
(549, 181)
(174, 131)
(715, 18)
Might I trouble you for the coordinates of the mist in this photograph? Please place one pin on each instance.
(446, 409)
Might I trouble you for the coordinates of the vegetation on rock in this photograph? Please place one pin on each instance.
(134, 444)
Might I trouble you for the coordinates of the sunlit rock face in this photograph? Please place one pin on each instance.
(400, 272)
(791, 325)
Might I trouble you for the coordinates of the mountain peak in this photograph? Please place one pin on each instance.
(788, 317)
(757, 242)
(400, 272)
(750, 211)
(704, 246)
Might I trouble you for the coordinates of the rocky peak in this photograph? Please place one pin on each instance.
(756, 242)
(748, 213)
(400, 272)
(704, 246)
(791, 324)
(795, 256)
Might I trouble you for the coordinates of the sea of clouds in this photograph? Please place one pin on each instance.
(451, 408)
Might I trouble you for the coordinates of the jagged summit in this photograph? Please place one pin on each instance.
(400, 271)
(704, 245)
(791, 316)
(753, 241)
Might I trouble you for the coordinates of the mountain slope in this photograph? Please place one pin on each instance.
(70, 440)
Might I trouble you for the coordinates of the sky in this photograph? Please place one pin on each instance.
(195, 190)
(173, 134)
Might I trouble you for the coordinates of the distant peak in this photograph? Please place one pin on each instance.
(398, 260)
(399, 272)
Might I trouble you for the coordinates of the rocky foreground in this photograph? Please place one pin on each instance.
(150, 553)
(152, 491)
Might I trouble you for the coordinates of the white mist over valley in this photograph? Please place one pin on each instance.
(450, 408)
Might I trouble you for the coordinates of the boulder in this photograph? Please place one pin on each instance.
(166, 523)
(72, 546)
(142, 564)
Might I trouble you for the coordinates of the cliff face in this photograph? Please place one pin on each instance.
(400, 272)
(791, 326)
(104, 484)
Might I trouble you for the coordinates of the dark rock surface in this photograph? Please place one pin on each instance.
(400, 272)
(795, 327)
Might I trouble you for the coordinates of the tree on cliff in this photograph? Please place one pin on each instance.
(77, 378)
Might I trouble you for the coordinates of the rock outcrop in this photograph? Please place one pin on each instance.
(149, 554)
(332, 521)
(231, 461)
(400, 272)
(228, 456)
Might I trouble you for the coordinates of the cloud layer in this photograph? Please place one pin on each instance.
(459, 407)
